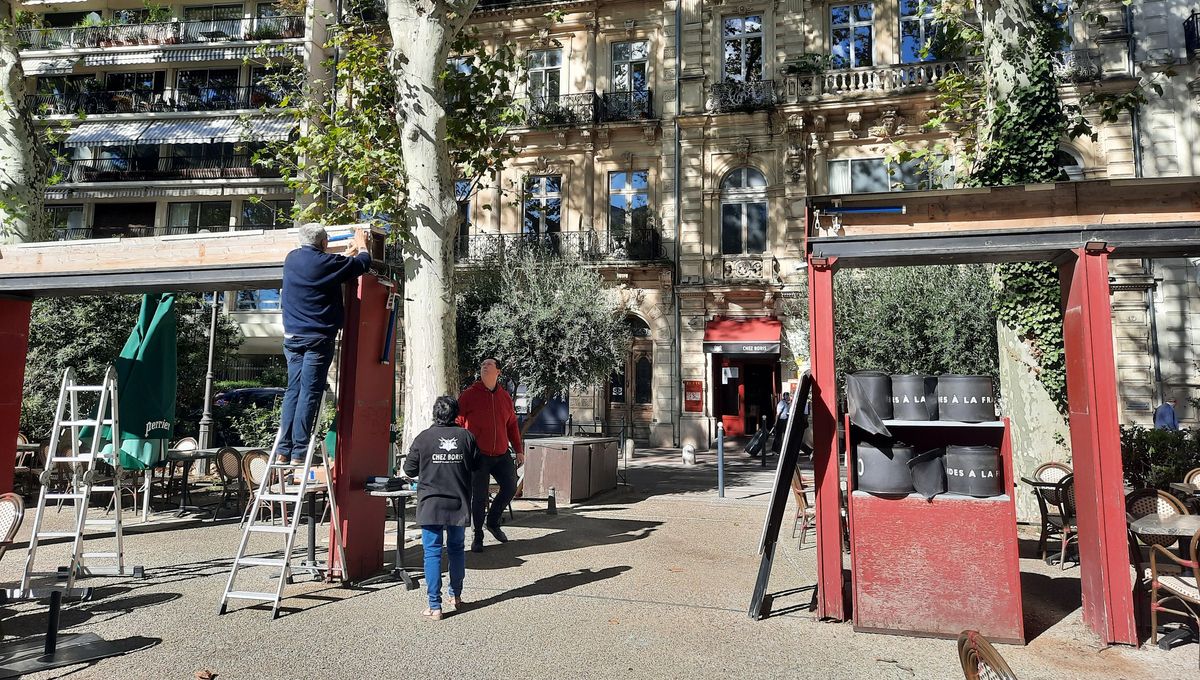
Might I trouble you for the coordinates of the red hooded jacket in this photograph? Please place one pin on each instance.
(490, 416)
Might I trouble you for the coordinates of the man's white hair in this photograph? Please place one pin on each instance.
(313, 234)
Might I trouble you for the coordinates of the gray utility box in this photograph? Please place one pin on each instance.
(577, 467)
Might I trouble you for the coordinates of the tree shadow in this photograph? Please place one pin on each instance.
(1047, 601)
(552, 585)
(33, 623)
(572, 531)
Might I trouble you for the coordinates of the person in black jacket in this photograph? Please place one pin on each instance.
(311, 302)
(443, 458)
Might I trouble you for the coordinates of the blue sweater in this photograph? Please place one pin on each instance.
(312, 290)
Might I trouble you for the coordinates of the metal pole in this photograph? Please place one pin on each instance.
(52, 620)
(206, 419)
(720, 460)
(766, 444)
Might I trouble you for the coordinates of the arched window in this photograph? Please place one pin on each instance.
(637, 327)
(743, 212)
(1070, 164)
(642, 380)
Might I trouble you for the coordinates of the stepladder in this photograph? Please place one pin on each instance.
(286, 484)
(73, 473)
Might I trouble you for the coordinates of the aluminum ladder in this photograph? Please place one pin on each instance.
(289, 497)
(78, 489)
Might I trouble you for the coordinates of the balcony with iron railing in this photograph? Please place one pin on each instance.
(735, 96)
(869, 81)
(559, 110)
(164, 33)
(626, 106)
(1191, 36)
(238, 166)
(637, 245)
(145, 101)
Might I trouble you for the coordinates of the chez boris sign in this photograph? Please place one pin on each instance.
(741, 347)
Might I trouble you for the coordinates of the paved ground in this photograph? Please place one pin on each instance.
(652, 580)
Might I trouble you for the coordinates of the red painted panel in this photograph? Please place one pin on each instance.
(831, 603)
(1108, 604)
(14, 338)
(936, 567)
(364, 415)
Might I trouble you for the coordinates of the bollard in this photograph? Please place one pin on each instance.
(567, 426)
(720, 460)
(628, 450)
(551, 507)
(52, 622)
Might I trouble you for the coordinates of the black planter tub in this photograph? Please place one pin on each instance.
(883, 469)
(974, 471)
(914, 397)
(966, 398)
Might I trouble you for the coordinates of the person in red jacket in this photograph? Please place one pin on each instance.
(486, 409)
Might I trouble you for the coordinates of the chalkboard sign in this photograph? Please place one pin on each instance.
(797, 422)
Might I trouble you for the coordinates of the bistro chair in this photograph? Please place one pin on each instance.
(1047, 473)
(255, 466)
(980, 660)
(184, 444)
(1139, 504)
(1192, 477)
(12, 511)
(233, 482)
(1173, 584)
(1063, 524)
(22, 439)
(806, 512)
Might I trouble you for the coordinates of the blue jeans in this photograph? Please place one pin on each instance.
(431, 538)
(308, 360)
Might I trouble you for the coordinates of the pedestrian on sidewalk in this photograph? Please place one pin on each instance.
(782, 408)
(486, 409)
(311, 302)
(442, 458)
(1165, 417)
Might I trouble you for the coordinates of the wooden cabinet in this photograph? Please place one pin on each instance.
(576, 467)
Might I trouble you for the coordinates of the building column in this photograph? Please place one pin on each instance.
(364, 406)
(830, 599)
(1108, 605)
(14, 338)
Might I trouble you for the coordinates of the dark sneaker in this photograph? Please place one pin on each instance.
(477, 543)
(494, 530)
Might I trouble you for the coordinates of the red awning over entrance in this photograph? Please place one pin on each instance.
(742, 336)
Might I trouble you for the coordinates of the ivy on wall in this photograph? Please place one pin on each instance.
(1030, 302)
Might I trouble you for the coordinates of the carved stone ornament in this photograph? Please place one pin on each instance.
(744, 268)
(560, 138)
(819, 122)
(516, 140)
(649, 132)
(890, 122)
(541, 37)
(541, 164)
(854, 123)
(741, 149)
(696, 323)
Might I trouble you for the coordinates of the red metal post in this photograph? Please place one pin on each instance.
(1108, 604)
(831, 602)
(365, 388)
(14, 338)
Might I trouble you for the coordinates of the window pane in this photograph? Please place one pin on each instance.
(642, 381)
(863, 55)
(552, 83)
(909, 8)
(179, 214)
(840, 48)
(868, 175)
(754, 66)
(863, 11)
(731, 229)
(839, 16)
(616, 181)
(910, 42)
(733, 26)
(553, 184)
(839, 177)
(753, 24)
(621, 51)
(531, 222)
(756, 227)
(733, 60)
(618, 209)
(214, 215)
(640, 212)
(755, 179)
(733, 180)
(640, 50)
(553, 215)
(910, 176)
(639, 77)
(620, 78)
(641, 179)
(554, 58)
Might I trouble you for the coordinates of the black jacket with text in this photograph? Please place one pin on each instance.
(442, 459)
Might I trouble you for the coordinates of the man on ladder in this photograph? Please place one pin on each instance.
(312, 316)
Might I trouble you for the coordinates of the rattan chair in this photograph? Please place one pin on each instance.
(1178, 586)
(1192, 476)
(1063, 523)
(12, 511)
(1048, 473)
(1139, 504)
(980, 660)
(254, 469)
(806, 511)
(233, 482)
(22, 439)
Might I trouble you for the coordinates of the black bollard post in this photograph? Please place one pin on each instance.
(551, 508)
(52, 623)
(720, 460)
(766, 439)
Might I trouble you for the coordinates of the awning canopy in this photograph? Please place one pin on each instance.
(113, 133)
(47, 66)
(182, 131)
(742, 336)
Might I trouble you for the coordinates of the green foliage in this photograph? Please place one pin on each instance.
(156, 13)
(348, 158)
(809, 62)
(1030, 302)
(927, 320)
(555, 324)
(87, 333)
(1154, 458)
